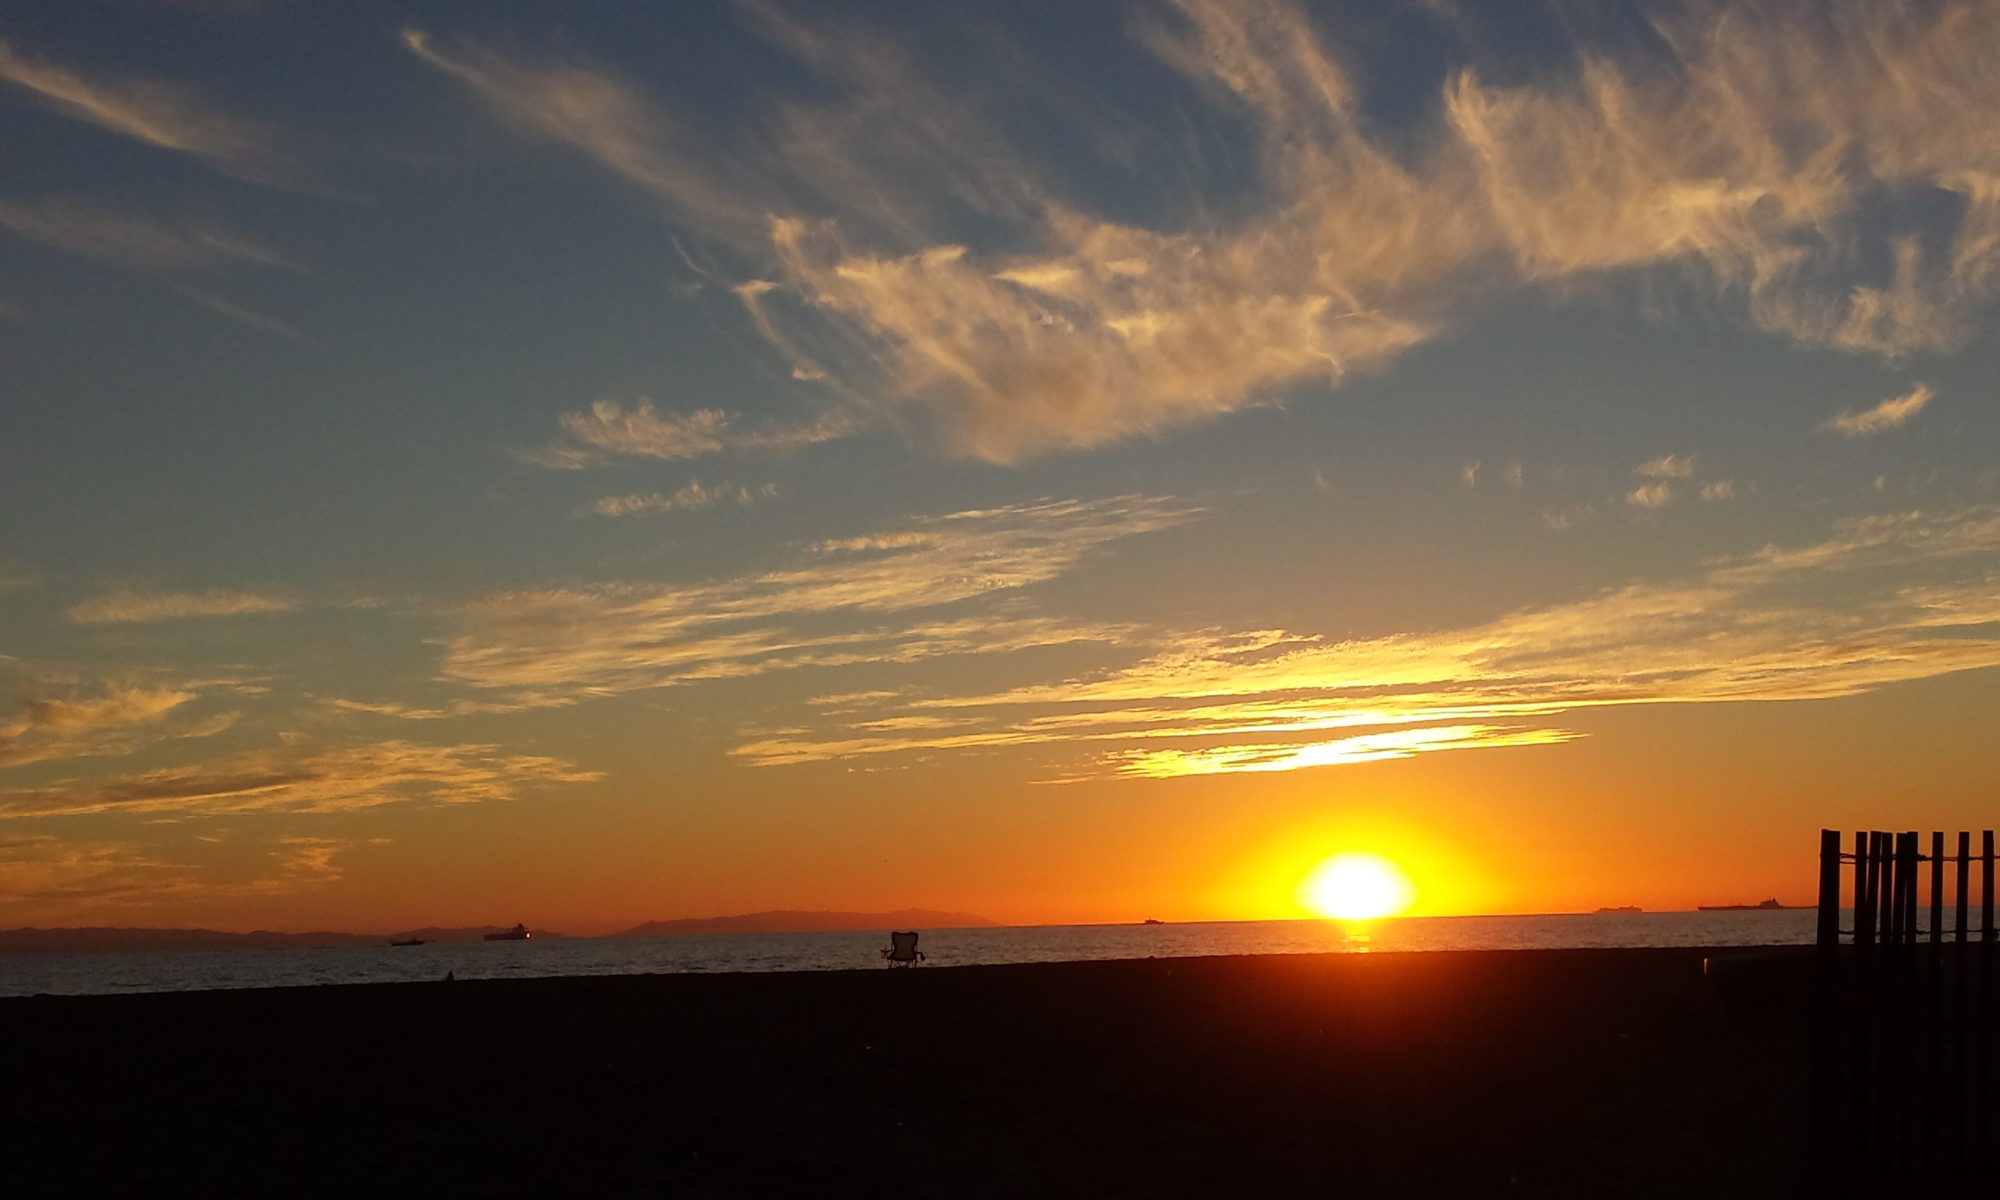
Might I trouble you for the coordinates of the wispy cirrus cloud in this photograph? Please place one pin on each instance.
(825, 611)
(1759, 163)
(692, 497)
(170, 116)
(144, 244)
(1892, 413)
(64, 875)
(131, 607)
(302, 779)
(1884, 600)
(90, 229)
(71, 726)
(609, 431)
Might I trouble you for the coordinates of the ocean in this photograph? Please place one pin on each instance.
(203, 970)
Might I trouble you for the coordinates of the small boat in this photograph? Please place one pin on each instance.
(1152, 921)
(1622, 908)
(1760, 906)
(517, 934)
(415, 941)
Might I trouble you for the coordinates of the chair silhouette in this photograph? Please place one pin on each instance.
(902, 949)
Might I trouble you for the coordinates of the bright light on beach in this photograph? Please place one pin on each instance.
(1357, 886)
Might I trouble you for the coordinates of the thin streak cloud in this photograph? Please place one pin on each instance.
(620, 637)
(86, 228)
(169, 116)
(693, 497)
(130, 607)
(609, 431)
(1892, 413)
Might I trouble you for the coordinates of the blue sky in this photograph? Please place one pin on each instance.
(634, 461)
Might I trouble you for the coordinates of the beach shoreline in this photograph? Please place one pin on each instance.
(1559, 1072)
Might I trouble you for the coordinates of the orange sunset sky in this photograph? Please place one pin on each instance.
(469, 463)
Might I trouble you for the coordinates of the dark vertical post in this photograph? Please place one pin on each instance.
(1987, 931)
(1865, 1133)
(1983, 1122)
(1899, 1072)
(1892, 889)
(1961, 921)
(1856, 1145)
(1866, 875)
(1937, 889)
(1964, 864)
(1937, 1108)
(1828, 934)
(1891, 926)
(1827, 1078)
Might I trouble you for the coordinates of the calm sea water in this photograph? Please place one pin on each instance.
(200, 970)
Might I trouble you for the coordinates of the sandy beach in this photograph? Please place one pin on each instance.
(1558, 1073)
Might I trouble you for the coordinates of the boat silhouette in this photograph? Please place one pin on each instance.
(517, 934)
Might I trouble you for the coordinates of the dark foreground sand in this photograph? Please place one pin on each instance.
(1559, 1073)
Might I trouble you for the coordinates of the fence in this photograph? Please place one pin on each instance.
(1903, 1034)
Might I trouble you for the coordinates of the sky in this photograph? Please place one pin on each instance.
(468, 463)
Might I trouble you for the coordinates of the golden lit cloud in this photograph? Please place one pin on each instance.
(66, 875)
(118, 707)
(65, 871)
(1890, 414)
(1885, 600)
(1762, 164)
(609, 431)
(693, 497)
(72, 727)
(620, 637)
(299, 779)
(1652, 495)
(129, 607)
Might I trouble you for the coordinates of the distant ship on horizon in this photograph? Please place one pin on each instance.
(517, 934)
(1622, 908)
(1760, 906)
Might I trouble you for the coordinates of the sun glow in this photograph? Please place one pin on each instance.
(1357, 886)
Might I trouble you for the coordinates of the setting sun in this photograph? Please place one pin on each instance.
(1357, 887)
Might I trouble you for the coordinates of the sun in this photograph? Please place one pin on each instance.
(1357, 886)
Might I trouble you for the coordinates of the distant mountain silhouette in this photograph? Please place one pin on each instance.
(796, 921)
(108, 940)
